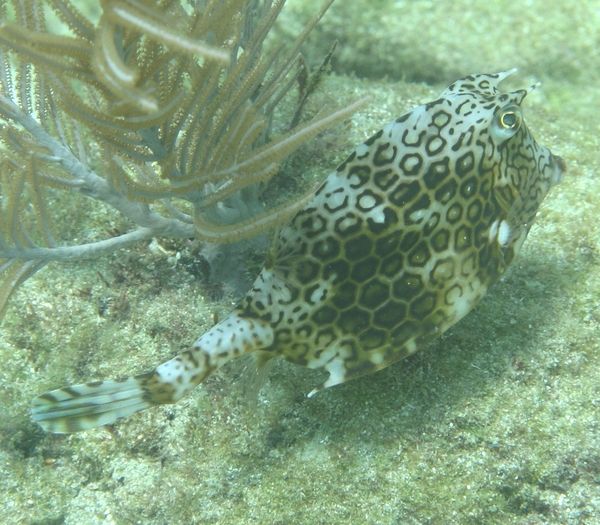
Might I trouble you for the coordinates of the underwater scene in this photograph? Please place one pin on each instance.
(368, 229)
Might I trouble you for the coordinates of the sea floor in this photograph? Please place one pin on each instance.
(496, 422)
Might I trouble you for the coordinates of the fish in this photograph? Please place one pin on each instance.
(399, 243)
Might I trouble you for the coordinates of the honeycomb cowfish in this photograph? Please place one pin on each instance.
(397, 245)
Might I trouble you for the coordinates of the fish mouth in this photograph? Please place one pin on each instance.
(558, 167)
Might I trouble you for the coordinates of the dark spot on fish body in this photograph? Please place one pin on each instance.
(420, 256)
(463, 238)
(364, 270)
(190, 356)
(326, 249)
(404, 193)
(441, 119)
(410, 239)
(465, 164)
(423, 203)
(435, 145)
(390, 314)
(362, 172)
(294, 293)
(374, 293)
(372, 338)
(454, 213)
(324, 315)
(389, 219)
(324, 338)
(347, 225)
(481, 236)
(353, 320)
(367, 200)
(283, 337)
(309, 294)
(385, 154)
(339, 270)
(430, 105)
(314, 225)
(408, 286)
(436, 173)
(299, 351)
(403, 333)
(333, 209)
(247, 310)
(307, 271)
(474, 211)
(468, 264)
(423, 305)
(418, 140)
(384, 179)
(442, 272)
(304, 331)
(403, 118)
(468, 188)
(358, 248)
(388, 244)
(391, 265)
(411, 164)
(441, 240)
(345, 295)
(432, 223)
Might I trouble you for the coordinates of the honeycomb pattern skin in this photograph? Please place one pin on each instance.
(398, 244)
(407, 235)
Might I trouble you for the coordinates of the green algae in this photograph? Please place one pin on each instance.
(495, 422)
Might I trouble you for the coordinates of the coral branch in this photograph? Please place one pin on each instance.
(161, 111)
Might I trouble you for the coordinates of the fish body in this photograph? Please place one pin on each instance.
(397, 245)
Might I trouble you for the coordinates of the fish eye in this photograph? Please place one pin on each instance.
(506, 122)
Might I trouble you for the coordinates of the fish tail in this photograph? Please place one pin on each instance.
(90, 405)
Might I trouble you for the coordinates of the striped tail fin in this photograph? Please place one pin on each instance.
(91, 405)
